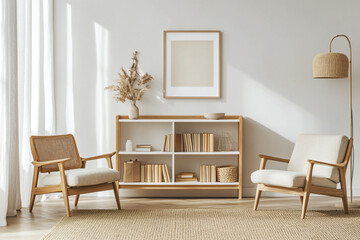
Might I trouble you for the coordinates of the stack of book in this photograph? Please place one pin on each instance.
(186, 177)
(143, 148)
(189, 142)
(207, 173)
(155, 173)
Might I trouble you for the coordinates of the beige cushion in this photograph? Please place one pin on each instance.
(288, 179)
(81, 177)
(324, 148)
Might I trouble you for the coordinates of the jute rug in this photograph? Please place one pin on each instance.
(206, 224)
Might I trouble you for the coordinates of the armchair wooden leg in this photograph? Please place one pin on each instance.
(116, 193)
(257, 197)
(307, 190)
(302, 200)
(34, 184)
(343, 188)
(77, 199)
(64, 188)
(32, 200)
(305, 203)
(66, 202)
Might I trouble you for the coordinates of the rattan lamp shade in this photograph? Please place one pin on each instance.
(331, 65)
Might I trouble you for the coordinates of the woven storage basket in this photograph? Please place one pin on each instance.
(226, 173)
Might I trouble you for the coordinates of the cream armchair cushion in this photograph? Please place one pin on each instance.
(81, 177)
(324, 148)
(290, 179)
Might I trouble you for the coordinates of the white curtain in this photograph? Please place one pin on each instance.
(27, 94)
(9, 155)
(36, 82)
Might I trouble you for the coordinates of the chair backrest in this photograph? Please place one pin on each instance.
(45, 148)
(324, 148)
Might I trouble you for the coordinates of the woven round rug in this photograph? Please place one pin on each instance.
(206, 224)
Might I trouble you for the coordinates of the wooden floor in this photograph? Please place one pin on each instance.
(46, 214)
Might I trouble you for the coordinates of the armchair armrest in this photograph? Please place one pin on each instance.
(337, 165)
(264, 159)
(274, 158)
(43, 163)
(108, 155)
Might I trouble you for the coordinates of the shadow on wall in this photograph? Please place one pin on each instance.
(259, 139)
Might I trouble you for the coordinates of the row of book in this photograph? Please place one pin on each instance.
(155, 173)
(189, 142)
(207, 173)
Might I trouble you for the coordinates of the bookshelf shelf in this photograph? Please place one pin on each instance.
(145, 153)
(152, 129)
(179, 153)
(208, 153)
(181, 183)
(178, 120)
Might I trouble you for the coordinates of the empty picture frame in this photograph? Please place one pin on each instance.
(192, 64)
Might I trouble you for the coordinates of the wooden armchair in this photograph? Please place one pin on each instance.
(306, 175)
(59, 155)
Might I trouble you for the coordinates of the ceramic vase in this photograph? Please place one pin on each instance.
(129, 146)
(134, 112)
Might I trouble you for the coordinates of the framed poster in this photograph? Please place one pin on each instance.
(192, 66)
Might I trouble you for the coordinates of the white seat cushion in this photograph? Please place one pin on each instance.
(324, 148)
(81, 177)
(288, 179)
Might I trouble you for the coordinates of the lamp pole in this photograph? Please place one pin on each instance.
(351, 111)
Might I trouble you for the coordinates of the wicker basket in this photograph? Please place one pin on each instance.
(226, 173)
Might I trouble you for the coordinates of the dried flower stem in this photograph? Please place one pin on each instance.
(131, 86)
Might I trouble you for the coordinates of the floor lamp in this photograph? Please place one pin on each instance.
(336, 65)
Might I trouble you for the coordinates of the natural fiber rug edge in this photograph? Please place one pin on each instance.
(206, 224)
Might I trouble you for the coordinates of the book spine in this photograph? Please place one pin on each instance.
(152, 173)
(163, 172)
(212, 138)
(206, 142)
(171, 143)
(213, 173)
(160, 172)
(164, 144)
(201, 174)
(148, 171)
(145, 173)
(156, 178)
(167, 173)
(182, 143)
(142, 173)
(202, 143)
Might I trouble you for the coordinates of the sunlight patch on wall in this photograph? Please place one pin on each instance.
(102, 96)
(270, 109)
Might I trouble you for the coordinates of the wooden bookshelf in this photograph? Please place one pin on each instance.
(152, 128)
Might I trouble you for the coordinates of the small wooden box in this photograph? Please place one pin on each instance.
(132, 171)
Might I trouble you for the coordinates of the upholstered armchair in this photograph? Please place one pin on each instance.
(318, 163)
(59, 156)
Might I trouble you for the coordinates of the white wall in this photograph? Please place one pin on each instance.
(267, 53)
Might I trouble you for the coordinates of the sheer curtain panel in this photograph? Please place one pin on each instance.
(36, 82)
(9, 142)
(26, 94)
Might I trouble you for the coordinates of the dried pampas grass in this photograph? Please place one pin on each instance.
(131, 86)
